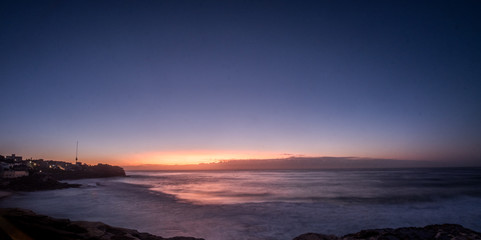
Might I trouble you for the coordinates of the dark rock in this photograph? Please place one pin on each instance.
(43, 227)
(315, 236)
(84, 171)
(430, 232)
(35, 182)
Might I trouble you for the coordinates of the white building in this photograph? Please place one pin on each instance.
(7, 171)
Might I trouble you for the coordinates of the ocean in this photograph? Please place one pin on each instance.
(251, 205)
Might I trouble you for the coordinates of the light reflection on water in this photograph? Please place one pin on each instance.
(263, 205)
(204, 187)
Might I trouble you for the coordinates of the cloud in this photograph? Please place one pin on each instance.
(307, 163)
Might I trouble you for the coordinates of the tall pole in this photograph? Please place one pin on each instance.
(76, 154)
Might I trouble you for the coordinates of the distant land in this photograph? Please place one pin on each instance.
(17, 174)
(306, 163)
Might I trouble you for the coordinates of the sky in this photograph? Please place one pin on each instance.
(182, 82)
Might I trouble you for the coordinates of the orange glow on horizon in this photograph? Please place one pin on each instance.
(198, 156)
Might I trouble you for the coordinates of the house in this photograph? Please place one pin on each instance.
(13, 158)
(10, 170)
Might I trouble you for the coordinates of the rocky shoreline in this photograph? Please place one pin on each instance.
(29, 225)
(430, 232)
(16, 222)
(36, 182)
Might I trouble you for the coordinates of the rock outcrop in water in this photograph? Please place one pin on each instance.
(430, 232)
(35, 182)
(24, 224)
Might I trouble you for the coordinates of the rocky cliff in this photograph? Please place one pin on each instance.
(94, 171)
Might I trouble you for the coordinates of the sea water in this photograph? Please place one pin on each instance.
(218, 205)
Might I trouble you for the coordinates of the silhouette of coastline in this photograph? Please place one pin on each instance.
(34, 182)
(95, 171)
(36, 175)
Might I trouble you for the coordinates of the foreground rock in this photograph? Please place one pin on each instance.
(430, 232)
(27, 224)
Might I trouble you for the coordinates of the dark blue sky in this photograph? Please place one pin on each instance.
(144, 80)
